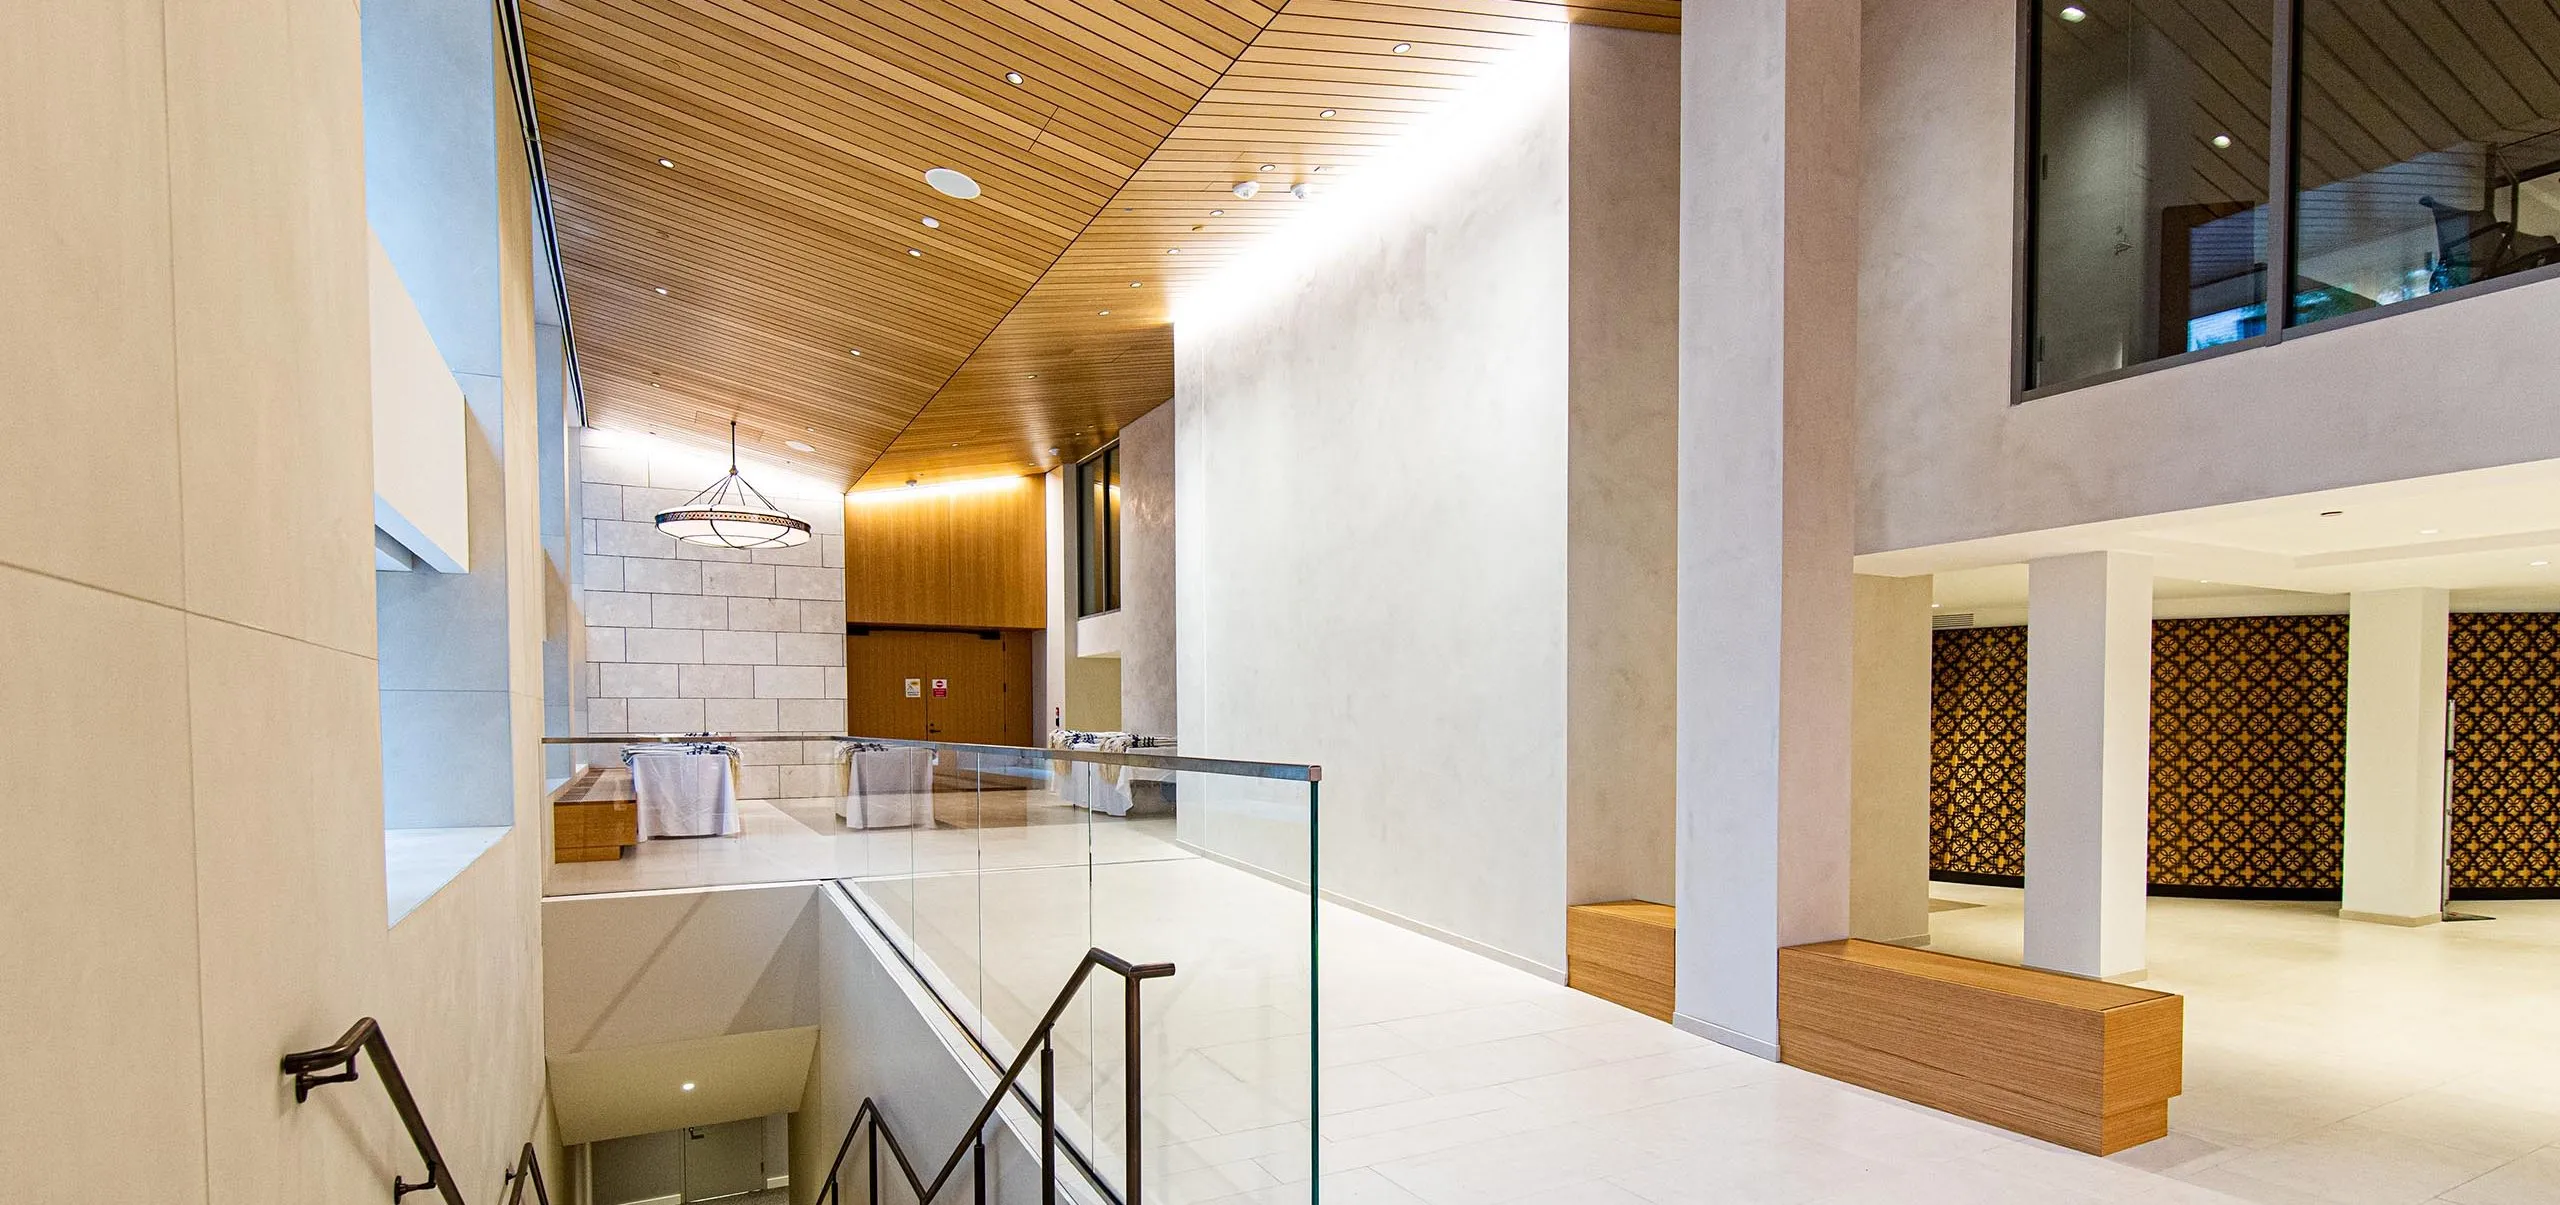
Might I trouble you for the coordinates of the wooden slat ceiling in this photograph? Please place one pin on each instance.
(799, 133)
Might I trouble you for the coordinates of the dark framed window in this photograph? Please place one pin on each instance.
(1098, 532)
(2184, 157)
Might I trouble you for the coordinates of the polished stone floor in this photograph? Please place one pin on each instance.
(2332, 1061)
(2326, 1061)
(1449, 1078)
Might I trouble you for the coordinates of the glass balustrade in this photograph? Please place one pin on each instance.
(991, 871)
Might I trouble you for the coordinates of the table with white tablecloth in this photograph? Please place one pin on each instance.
(684, 792)
(1109, 788)
(886, 786)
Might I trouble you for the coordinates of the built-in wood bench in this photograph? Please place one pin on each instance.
(2079, 1062)
(1622, 952)
(594, 815)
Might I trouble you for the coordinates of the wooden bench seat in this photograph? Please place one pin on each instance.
(2080, 1062)
(1622, 952)
(594, 815)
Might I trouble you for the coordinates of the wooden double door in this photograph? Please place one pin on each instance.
(970, 687)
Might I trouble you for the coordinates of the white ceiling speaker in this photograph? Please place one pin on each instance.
(1300, 191)
(1245, 191)
(956, 185)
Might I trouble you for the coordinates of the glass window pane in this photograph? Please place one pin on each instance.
(1098, 533)
(2429, 152)
(2150, 184)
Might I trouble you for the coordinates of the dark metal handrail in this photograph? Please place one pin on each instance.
(528, 1170)
(1042, 1041)
(335, 1063)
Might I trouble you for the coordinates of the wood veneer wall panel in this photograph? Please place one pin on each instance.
(973, 559)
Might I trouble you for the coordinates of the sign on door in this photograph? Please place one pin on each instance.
(915, 688)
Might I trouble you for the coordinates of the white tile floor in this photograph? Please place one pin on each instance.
(2325, 1061)
(2342, 1062)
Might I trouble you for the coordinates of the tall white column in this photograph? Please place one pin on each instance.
(2395, 756)
(1768, 284)
(2088, 762)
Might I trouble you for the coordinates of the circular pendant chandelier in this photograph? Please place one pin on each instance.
(729, 513)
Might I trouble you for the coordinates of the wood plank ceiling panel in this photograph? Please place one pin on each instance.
(783, 233)
(784, 230)
(1316, 96)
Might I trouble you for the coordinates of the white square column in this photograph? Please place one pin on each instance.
(2395, 756)
(1769, 145)
(2088, 762)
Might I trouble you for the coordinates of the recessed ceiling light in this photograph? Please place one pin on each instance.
(1031, 376)
(1244, 190)
(1133, 284)
(688, 1085)
(933, 223)
(1324, 112)
(1270, 167)
(2428, 531)
(1102, 313)
(1173, 250)
(951, 183)
(666, 163)
(1013, 77)
(662, 290)
(1401, 47)
(915, 251)
(854, 351)
(2540, 564)
(2222, 142)
(797, 446)
(2073, 12)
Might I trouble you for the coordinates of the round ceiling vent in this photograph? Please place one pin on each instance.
(952, 184)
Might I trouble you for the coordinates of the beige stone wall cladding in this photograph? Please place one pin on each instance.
(689, 638)
(195, 881)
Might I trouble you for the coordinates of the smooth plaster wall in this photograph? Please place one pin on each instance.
(1889, 728)
(1145, 630)
(1622, 444)
(635, 970)
(1944, 456)
(185, 222)
(1371, 483)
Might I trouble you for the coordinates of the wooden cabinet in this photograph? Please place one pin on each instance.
(593, 816)
(2084, 1063)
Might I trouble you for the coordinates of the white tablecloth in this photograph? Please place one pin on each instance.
(888, 788)
(684, 794)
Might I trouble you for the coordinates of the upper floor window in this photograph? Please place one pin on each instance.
(2421, 141)
(1098, 532)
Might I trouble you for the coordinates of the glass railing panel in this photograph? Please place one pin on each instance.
(992, 871)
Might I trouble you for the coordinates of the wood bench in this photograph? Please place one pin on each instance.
(594, 815)
(2080, 1062)
(1622, 952)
